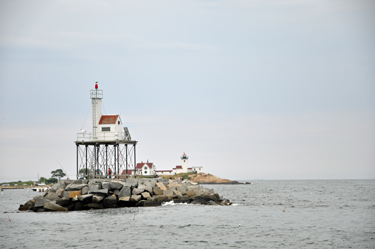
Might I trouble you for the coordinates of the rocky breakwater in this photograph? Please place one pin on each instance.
(69, 195)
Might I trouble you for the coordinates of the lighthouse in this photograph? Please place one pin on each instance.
(96, 101)
(109, 146)
(184, 163)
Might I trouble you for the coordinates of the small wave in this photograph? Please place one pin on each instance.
(169, 203)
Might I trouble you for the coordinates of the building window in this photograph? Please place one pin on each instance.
(106, 128)
(145, 172)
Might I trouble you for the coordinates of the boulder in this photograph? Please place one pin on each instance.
(56, 187)
(97, 198)
(94, 205)
(181, 189)
(74, 187)
(182, 199)
(103, 191)
(85, 190)
(162, 198)
(157, 190)
(29, 205)
(174, 184)
(116, 192)
(39, 202)
(110, 201)
(137, 191)
(168, 193)
(125, 191)
(60, 192)
(64, 202)
(52, 196)
(152, 203)
(125, 198)
(133, 183)
(190, 193)
(78, 206)
(147, 187)
(146, 195)
(80, 181)
(176, 193)
(115, 185)
(140, 203)
(93, 187)
(161, 186)
(66, 194)
(54, 207)
(135, 198)
(85, 198)
(212, 203)
(105, 185)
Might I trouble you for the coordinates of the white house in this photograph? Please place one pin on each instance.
(145, 169)
(109, 128)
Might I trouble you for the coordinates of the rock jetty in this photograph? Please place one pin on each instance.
(69, 195)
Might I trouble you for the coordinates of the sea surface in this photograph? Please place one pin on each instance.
(265, 214)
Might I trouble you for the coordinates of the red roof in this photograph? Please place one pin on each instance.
(140, 165)
(178, 167)
(130, 171)
(108, 119)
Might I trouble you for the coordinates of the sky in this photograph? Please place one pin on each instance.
(248, 89)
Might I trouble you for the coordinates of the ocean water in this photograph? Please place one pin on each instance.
(266, 214)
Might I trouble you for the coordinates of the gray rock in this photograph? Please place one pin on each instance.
(176, 193)
(73, 187)
(212, 203)
(131, 182)
(95, 205)
(85, 190)
(162, 198)
(125, 198)
(64, 202)
(168, 193)
(54, 207)
(110, 201)
(152, 203)
(116, 185)
(56, 187)
(125, 191)
(103, 191)
(147, 187)
(157, 190)
(161, 186)
(146, 195)
(66, 194)
(52, 196)
(97, 198)
(137, 191)
(85, 198)
(135, 198)
(94, 187)
(39, 202)
(181, 189)
(116, 192)
(105, 185)
(60, 192)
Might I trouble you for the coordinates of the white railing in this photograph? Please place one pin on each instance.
(102, 136)
(84, 136)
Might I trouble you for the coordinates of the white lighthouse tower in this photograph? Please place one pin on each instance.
(184, 163)
(96, 100)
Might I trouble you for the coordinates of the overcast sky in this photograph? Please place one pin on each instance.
(248, 89)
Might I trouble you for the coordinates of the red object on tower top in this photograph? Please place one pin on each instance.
(96, 85)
